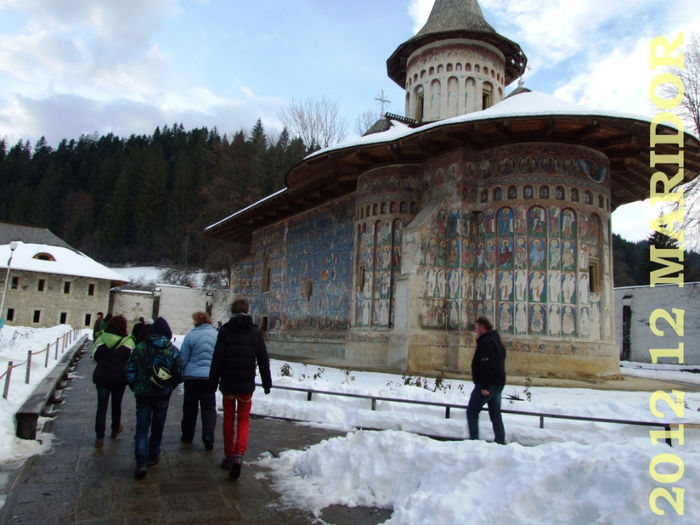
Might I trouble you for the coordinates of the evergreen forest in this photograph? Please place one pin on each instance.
(146, 199)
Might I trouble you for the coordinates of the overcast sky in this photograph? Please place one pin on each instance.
(69, 67)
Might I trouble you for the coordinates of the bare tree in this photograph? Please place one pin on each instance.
(690, 112)
(317, 122)
(366, 120)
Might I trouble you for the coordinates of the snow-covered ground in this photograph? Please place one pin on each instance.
(566, 472)
(15, 342)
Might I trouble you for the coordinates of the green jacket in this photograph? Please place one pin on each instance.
(112, 341)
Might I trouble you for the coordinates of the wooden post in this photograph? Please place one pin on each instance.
(6, 390)
(46, 359)
(56, 353)
(29, 367)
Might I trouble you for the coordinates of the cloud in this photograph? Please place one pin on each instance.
(419, 10)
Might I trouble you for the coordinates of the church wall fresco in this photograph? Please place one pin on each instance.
(524, 254)
(310, 260)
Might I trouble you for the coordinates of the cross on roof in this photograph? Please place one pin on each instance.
(381, 98)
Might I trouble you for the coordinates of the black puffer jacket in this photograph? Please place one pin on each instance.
(239, 346)
(111, 365)
(489, 361)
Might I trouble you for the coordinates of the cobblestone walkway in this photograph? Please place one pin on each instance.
(76, 483)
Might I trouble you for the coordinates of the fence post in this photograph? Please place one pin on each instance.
(29, 367)
(56, 354)
(541, 421)
(46, 360)
(447, 412)
(374, 404)
(308, 395)
(6, 390)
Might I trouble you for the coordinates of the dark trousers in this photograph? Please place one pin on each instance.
(150, 415)
(103, 394)
(476, 401)
(198, 394)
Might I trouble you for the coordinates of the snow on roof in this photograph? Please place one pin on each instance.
(65, 261)
(271, 196)
(531, 104)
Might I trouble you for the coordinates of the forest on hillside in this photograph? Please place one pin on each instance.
(144, 199)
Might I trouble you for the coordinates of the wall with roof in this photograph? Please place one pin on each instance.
(633, 308)
(53, 299)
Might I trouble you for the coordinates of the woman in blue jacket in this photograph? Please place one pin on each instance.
(197, 350)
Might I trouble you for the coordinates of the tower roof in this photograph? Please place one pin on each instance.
(456, 19)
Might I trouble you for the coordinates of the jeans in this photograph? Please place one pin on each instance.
(150, 413)
(244, 402)
(103, 393)
(198, 394)
(476, 401)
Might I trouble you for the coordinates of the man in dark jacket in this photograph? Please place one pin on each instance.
(153, 371)
(239, 346)
(489, 376)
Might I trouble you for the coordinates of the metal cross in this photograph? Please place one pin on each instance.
(381, 98)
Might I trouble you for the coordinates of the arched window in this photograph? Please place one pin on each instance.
(486, 95)
(449, 67)
(44, 256)
(420, 104)
(435, 95)
(452, 94)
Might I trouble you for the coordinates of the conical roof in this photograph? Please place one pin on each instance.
(455, 19)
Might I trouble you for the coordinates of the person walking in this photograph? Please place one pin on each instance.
(153, 371)
(489, 376)
(109, 376)
(197, 350)
(239, 346)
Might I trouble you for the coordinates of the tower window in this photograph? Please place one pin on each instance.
(66, 287)
(41, 285)
(10, 314)
(37, 316)
(486, 96)
(15, 283)
(594, 280)
(88, 319)
(91, 289)
(62, 318)
(420, 104)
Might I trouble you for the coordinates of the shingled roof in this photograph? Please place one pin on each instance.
(30, 234)
(456, 19)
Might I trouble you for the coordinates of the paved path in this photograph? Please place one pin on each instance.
(76, 483)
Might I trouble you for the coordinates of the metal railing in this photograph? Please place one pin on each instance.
(62, 342)
(449, 406)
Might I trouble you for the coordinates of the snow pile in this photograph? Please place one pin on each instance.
(567, 472)
(15, 342)
(478, 482)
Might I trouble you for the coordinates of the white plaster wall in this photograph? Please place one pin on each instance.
(643, 300)
(132, 305)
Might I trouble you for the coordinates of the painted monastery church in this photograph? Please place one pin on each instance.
(381, 253)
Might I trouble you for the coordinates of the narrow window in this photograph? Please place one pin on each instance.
(594, 283)
(37, 316)
(267, 275)
(63, 318)
(10, 314)
(309, 289)
(486, 96)
(40, 286)
(66, 287)
(88, 319)
(91, 289)
(361, 278)
(15, 283)
(263, 324)
(420, 104)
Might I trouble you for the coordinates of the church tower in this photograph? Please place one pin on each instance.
(456, 64)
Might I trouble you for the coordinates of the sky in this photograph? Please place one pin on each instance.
(598, 473)
(69, 67)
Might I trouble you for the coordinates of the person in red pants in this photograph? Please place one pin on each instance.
(239, 347)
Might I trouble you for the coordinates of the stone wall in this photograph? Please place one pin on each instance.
(633, 308)
(44, 299)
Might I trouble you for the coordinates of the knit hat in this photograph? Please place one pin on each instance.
(161, 327)
(117, 326)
